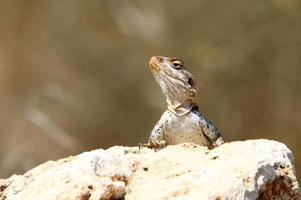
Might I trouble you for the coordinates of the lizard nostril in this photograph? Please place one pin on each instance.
(160, 59)
(155, 59)
(190, 81)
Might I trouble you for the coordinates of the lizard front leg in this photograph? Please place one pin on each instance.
(156, 139)
(211, 132)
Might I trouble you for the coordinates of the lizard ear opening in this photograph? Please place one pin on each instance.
(190, 81)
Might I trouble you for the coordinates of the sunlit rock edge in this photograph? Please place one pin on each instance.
(252, 169)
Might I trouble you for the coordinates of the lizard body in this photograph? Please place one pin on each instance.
(182, 121)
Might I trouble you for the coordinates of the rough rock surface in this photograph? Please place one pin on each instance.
(253, 169)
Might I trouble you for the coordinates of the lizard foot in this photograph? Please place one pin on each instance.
(218, 142)
(153, 144)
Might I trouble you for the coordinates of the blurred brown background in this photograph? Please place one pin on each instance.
(74, 74)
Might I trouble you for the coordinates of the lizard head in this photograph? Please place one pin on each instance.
(177, 84)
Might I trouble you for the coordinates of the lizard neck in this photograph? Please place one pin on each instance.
(180, 109)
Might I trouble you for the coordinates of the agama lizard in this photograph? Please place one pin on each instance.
(182, 121)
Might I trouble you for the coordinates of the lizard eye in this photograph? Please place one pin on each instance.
(177, 64)
(190, 81)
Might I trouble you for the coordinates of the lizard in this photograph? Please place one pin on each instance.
(182, 121)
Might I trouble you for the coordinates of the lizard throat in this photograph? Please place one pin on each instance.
(179, 97)
(180, 109)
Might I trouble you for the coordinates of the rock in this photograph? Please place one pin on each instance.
(253, 169)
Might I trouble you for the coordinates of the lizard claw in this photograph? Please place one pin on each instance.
(153, 144)
(218, 142)
(141, 145)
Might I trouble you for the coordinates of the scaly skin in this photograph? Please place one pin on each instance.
(182, 121)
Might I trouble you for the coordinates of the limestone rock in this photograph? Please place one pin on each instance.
(253, 169)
